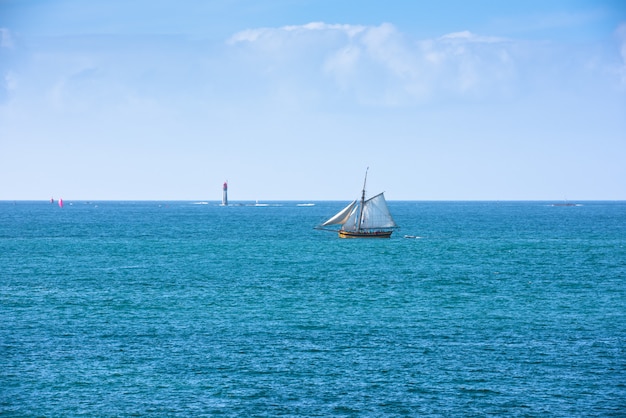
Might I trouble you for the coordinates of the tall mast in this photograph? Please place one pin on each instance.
(362, 202)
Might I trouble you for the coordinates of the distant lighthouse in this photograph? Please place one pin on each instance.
(225, 194)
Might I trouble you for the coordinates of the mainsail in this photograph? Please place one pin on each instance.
(374, 215)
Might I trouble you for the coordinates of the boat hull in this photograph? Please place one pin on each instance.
(364, 234)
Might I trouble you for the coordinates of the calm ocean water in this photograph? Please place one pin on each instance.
(184, 309)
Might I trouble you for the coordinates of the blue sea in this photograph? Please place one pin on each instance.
(513, 309)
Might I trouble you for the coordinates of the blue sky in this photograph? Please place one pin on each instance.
(292, 100)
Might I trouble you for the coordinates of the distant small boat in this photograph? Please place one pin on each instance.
(60, 203)
(365, 218)
(305, 204)
(565, 203)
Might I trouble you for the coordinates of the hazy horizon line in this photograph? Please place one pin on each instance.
(234, 202)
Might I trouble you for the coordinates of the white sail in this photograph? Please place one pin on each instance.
(342, 216)
(351, 221)
(376, 214)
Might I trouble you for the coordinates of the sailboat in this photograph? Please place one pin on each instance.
(364, 218)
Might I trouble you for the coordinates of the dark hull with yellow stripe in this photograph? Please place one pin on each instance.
(364, 234)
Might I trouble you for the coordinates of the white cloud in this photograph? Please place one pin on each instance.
(467, 36)
(260, 34)
(10, 81)
(6, 40)
(8, 85)
(350, 30)
(379, 65)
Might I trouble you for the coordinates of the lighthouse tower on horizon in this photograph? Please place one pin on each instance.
(225, 194)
